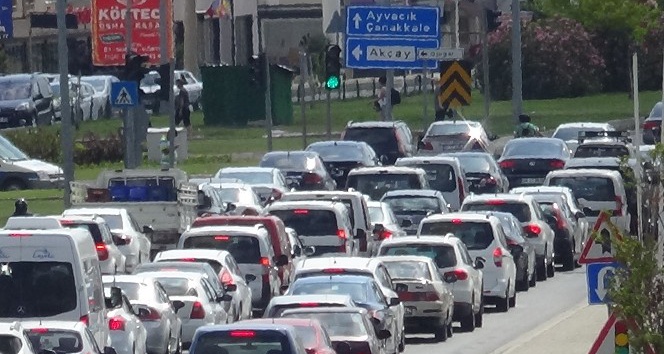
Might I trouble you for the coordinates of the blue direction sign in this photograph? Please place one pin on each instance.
(393, 22)
(371, 53)
(599, 276)
(124, 94)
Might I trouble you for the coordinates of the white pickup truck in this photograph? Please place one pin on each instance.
(163, 199)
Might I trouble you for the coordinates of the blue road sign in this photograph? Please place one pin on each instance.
(599, 277)
(393, 22)
(372, 53)
(6, 20)
(124, 94)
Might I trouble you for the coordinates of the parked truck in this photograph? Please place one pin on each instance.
(163, 199)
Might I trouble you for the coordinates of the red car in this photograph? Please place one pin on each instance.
(314, 337)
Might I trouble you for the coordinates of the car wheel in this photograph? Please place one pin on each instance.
(503, 304)
(479, 316)
(523, 284)
(402, 342)
(533, 280)
(550, 270)
(541, 270)
(52, 120)
(513, 300)
(450, 328)
(468, 321)
(569, 263)
(441, 333)
(34, 120)
(178, 349)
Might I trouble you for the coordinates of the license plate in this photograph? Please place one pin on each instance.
(532, 180)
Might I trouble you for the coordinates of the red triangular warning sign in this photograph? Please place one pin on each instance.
(598, 251)
(605, 342)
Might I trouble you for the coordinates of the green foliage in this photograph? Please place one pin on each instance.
(315, 46)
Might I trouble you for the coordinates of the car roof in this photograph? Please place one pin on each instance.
(465, 153)
(555, 141)
(61, 325)
(289, 153)
(192, 276)
(171, 264)
(248, 169)
(386, 170)
(585, 171)
(90, 211)
(432, 160)
(406, 258)
(340, 194)
(242, 325)
(376, 204)
(90, 218)
(17, 76)
(327, 309)
(592, 161)
(457, 122)
(542, 189)
(500, 196)
(329, 298)
(227, 229)
(412, 192)
(127, 278)
(306, 204)
(448, 239)
(497, 214)
(194, 253)
(337, 143)
(461, 215)
(585, 125)
(373, 124)
(336, 262)
(340, 278)
(297, 322)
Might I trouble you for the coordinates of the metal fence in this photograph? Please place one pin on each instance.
(42, 58)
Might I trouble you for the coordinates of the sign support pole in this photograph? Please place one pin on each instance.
(485, 72)
(129, 127)
(303, 108)
(425, 101)
(660, 202)
(268, 103)
(389, 85)
(517, 98)
(639, 186)
(67, 135)
(165, 59)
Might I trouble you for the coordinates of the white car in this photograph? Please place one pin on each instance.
(193, 86)
(131, 239)
(569, 132)
(267, 182)
(570, 198)
(243, 196)
(201, 304)
(15, 338)
(102, 85)
(229, 274)
(453, 261)
(127, 332)
(81, 106)
(484, 237)
(111, 260)
(61, 337)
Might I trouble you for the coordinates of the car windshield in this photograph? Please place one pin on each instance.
(342, 152)
(572, 133)
(249, 177)
(289, 162)
(449, 129)
(10, 344)
(532, 147)
(441, 176)
(601, 151)
(243, 342)
(236, 195)
(413, 204)
(442, 255)
(358, 291)
(15, 90)
(408, 270)
(520, 210)
(309, 222)
(59, 341)
(337, 324)
(375, 185)
(133, 291)
(656, 111)
(98, 84)
(177, 286)
(23, 284)
(245, 249)
(588, 188)
(475, 163)
(476, 235)
(376, 215)
(113, 221)
(9, 151)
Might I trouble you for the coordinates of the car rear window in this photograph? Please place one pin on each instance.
(601, 151)
(375, 185)
(243, 342)
(337, 324)
(214, 264)
(408, 270)
(357, 291)
(476, 235)
(245, 249)
(177, 286)
(572, 133)
(413, 204)
(277, 310)
(441, 176)
(309, 222)
(588, 188)
(474, 163)
(133, 291)
(448, 129)
(382, 140)
(90, 227)
(520, 210)
(58, 341)
(442, 255)
(533, 148)
(10, 344)
(290, 162)
(341, 152)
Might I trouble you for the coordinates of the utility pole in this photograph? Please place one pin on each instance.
(517, 76)
(67, 135)
(129, 126)
(165, 59)
(637, 147)
(425, 101)
(303, 95)
(268, 102)
(485, 72)
(389, 85)
(190, 23)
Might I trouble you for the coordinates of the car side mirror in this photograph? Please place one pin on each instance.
(450, 277)
(116, 297)
(479, 263)
(177, 305)
(148, 229)
(309, 251)
(361, 234)
(394, 301)
(230, 207)
(109, 350)
(406, 223)
(378, 228)
(343, 348)
(550, 219)
(384, 334)
(384, 159)
(282, 260)
(224, 298)
(249, 278)
(140, 311)
(579, 215)
(515, 248)
(297, 251)
(230, 288)
(400, 288)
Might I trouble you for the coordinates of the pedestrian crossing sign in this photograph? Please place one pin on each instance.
(124, 94)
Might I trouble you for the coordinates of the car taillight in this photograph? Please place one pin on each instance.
(460, 274)
(243, 334)
(197, 311)
(498, 257)
(151, 315)
(650, 125)
(264, 261)
(461, 191)
(560, 222)
(226, 278)
(426, 145)
(85, 319)
(311, 178)
(495, 202)
(116, 324)
(385, 234)
(488, 181)
(334, 270)
(619, 205)
(309, 304)
(457, 221)
(341, 233)
(507, 164)
(39, 330)
(19, 235)
(557, 164)
(532, 230)
(102, 251)
(511, 242)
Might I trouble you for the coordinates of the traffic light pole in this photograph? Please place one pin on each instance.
(328, 121)
(67, 135)
(129, 128)
(268, 102)
(303, 108)
(166, 59)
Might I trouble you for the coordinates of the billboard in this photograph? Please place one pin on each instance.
(108, 30)
(6, 21)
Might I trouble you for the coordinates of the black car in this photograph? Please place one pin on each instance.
(304, 170)
(25, 100)
(390, 140)
(527, 161)
(340, 157)
(482, 172)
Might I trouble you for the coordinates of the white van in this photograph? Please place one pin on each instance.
(597, 190)
(51, 274)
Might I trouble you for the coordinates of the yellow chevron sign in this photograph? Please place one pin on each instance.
(455, 83)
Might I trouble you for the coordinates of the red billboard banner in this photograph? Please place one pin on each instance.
(108, 30)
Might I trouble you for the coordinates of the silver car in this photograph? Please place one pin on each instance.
(152, 305)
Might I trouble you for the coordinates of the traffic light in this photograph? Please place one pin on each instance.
(257, 69)
(332, 67)
(622, 338)
(134, 70)
(492, 20)
(165, 88)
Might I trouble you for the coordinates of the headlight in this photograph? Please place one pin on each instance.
(24, 106)
(43, 175)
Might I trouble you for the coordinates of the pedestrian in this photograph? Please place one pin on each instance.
(381, 100)
(182, 110)
(526, 128)
(21, 208)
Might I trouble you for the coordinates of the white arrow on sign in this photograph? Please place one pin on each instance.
(357, 20)
(357, 52)
(440, 54)
(602, 287)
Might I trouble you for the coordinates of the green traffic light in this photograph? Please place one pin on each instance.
(332, 83)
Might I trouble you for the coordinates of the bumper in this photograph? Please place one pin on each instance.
(122, 342)
(55, 183)
(422, 324)
(157, 337)
(423, 309)
(189, 328)
(463, 292)
(494, 287)
(519, 180)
